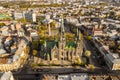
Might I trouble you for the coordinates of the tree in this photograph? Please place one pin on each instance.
(78, 61)
(87, 53)
(35, 44)
(50, 38)
(2, 24)
(5, 5)
(89, 37)
(35, 52)
(53, 24)
(91, 67)
(22, 20)
(119, 47)
(69, 36)
(8, 19)
(112, 46)
(41, 41)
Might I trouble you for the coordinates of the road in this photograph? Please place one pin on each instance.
(63, 70)
(93, 57)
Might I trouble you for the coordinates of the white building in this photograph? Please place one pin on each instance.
(79, 77)
(112, 59)
(7, 76)
(64, 77)
(75, 76)
(18, 15)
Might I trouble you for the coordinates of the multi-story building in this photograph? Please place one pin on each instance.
(17, 15)
(112, 59)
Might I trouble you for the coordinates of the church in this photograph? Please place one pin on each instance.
(63, 49)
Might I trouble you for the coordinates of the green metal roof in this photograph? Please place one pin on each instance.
(70, 44)
(2, 16)
(51, 44)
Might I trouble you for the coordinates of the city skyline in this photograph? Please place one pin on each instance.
(60, 40)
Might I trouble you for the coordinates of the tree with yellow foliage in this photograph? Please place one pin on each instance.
(89, 37)
(78, 61)
(2, 24)
(87, 53)
(35, 52)
(91, 67)
(69, 36)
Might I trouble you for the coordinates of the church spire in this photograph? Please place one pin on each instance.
(62, 24)
(62, 30)
(78, 34)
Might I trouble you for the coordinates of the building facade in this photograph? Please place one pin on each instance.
(17, 15)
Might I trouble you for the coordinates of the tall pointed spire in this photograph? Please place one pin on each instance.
(78, 34)
(62, 23)
(62, 30)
